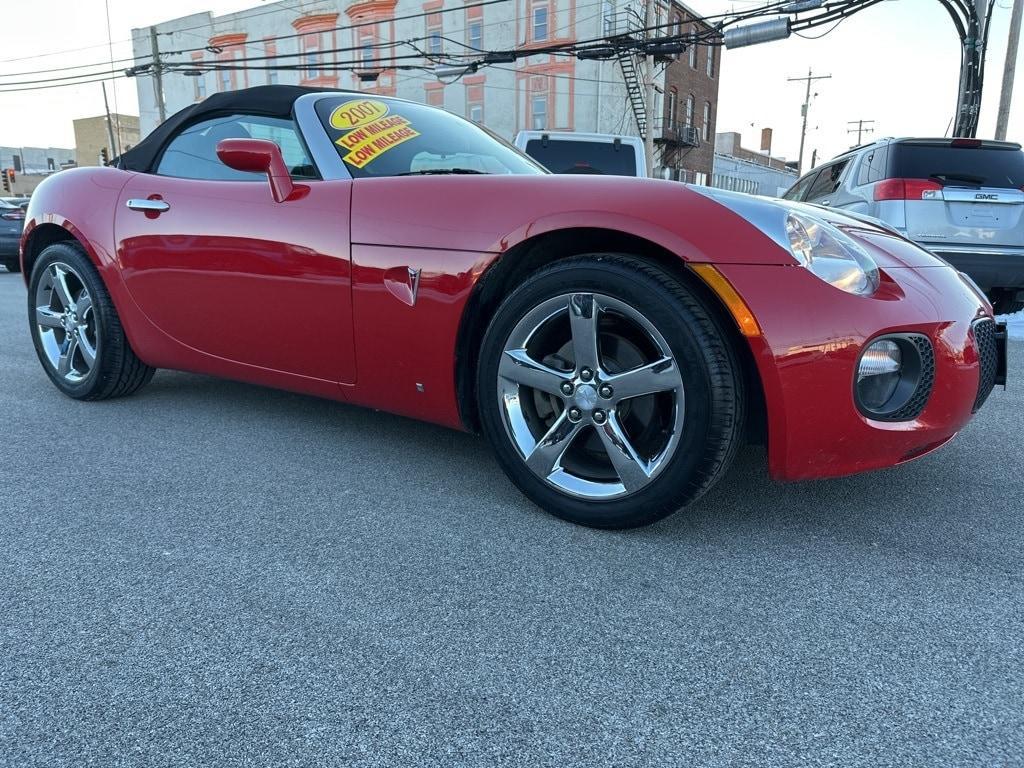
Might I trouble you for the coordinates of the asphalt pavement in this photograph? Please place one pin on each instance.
(216, 574)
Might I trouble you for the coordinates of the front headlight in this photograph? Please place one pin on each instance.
(831, 254)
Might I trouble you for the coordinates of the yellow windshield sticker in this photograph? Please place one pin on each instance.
(357, 112)
(370, 140)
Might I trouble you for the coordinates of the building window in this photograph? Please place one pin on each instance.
(677, 28)
(475, 35)
(435, 30)
(225, 80)
(700, 178)
(608, 11)
(270, 51)
(475, 103)
(316, 43)
(435, 96)
(706, 131)
(311, 58)
(199, 85)
(540, 22)
(369, 55)
(539, 112)
(672, 95)
(689, 109)
(693, 48)
(711, 61)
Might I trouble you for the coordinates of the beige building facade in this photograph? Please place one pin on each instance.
(92, 138)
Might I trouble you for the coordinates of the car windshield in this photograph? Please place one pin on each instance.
(960, 166)
(384, 137)
(588, 157)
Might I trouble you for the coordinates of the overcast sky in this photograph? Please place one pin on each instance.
(895, 63)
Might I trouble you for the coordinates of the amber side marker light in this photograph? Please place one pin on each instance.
(738, 308)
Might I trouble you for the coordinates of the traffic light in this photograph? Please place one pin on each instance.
(7, 180)
(104, 156)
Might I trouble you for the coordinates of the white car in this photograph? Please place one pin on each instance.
(586, 153)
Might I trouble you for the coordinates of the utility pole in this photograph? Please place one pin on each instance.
(863, 126)
(158, 82)
(649, 92)
(811, 77)
(1012, 44)
(115, 149)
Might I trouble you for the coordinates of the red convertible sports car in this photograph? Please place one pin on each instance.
(614, 339)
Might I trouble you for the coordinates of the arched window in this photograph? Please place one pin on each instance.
(706, 131)
(689, 109)
(693, 49)
(672, 96)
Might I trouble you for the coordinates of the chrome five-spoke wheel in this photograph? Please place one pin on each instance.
(609, 390)
(66, 323)
(591, 395)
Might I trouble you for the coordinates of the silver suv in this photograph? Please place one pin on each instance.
(962, 199)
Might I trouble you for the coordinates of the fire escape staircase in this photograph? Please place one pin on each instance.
(626, 26)
(634, 88)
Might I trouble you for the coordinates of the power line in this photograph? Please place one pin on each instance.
(863, 126)
(360, 25)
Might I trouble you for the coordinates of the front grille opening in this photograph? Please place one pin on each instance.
(988, 358)
(910, 383)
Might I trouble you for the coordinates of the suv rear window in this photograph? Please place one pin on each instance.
(959, 166)
(594, 157)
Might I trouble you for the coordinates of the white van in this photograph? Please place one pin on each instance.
(595, 153)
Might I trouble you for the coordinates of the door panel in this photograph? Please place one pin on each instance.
(227, 271)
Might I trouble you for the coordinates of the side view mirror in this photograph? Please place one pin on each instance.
(258, 156)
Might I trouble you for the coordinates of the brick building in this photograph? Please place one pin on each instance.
(536, 92)
(690, 106)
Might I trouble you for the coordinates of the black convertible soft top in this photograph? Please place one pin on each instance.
(269, 100)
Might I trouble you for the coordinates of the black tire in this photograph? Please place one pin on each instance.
(714, 402)
(117, 370)
(12, 264)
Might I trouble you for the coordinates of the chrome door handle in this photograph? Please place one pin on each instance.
(150, 206)
(825, 202)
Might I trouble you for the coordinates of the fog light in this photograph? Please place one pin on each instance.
(879, 374)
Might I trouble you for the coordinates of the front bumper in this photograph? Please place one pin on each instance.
(989, 267)
(812, 338)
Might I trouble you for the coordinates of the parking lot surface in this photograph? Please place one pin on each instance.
(210, 573)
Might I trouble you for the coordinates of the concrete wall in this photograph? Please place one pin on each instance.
(728, 143)
(741, 175)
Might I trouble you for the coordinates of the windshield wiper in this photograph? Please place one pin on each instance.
(441, 172)
(947, 177)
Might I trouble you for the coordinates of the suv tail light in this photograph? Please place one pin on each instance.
(13, 215)
(905, 189)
